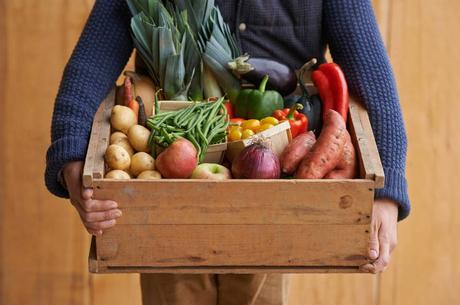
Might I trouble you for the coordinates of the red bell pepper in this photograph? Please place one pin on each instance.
(332, 87)
(298, 121)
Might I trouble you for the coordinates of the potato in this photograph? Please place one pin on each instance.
(116, 136)
(123, 142)
(149, 175)
(117, 157)
(118, 175)
(141, 162)
(122, 118)
(138, 137)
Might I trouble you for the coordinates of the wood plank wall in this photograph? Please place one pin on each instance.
(43, 247)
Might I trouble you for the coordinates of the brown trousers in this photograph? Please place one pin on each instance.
(212, 289)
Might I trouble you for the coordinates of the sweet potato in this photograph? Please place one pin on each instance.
(327, 151)
(346, 169)
(296, 151)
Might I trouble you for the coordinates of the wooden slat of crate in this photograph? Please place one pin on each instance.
(233, 245)
(363, 139)
(237, 202)
(100, 137)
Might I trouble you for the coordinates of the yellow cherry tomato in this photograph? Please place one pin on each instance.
(251, 124)
(234, 127)
(265, 127)
(269, 120)
(235, 135)
(247, 133)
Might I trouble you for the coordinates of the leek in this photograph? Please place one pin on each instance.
(186, 46)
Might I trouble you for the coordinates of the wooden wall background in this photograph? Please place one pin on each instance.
(43, 247)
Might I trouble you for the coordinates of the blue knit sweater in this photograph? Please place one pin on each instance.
(291, 31)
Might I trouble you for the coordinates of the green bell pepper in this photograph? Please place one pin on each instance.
(258, 103)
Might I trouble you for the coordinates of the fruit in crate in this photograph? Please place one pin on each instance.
(241, 129)
(178, 160)
(211, 171)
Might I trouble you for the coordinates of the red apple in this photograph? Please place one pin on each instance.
(212, 172)
(178, 160)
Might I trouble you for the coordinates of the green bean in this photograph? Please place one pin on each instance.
(195, 143)
(193, 123)
(182, 113)
(166, 135)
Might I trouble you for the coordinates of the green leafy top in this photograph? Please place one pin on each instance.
(175, 39)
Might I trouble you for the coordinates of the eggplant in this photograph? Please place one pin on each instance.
(311, 109)
(312, 104)
(253, 69)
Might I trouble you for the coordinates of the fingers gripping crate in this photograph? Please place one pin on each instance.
(235, 226)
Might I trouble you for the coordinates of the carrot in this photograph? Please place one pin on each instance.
(128, 91)
(346, 169)
(327, 151)
(134, 107)
(296, 151)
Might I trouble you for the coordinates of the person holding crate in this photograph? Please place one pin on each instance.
(289, 31)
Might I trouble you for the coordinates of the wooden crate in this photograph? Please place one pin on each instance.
(235, 226)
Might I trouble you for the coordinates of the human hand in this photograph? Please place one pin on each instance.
(383, 237)
(96, 215)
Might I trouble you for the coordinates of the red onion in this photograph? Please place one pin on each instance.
(256, 161)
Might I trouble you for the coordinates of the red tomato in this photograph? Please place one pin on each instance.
(229, 109)
(236, 121)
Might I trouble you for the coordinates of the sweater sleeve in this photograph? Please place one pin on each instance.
(102, 52)
(356, 45)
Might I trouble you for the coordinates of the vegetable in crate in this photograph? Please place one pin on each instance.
(149, 175)
(327, 151)
(252, 69)
(297, 121)
(346, 168)
(117, 175)
(137, 85)
(122, 118)
(311, 103)
(138, 137)
(141, 162)
(186, 47)
(296, 151)
(256, 161)
(332, 86)
(178, 160)
(142, 117)
(203, 124)
(258, 103)
(117, 157)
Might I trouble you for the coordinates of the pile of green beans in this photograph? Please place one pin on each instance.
(203, 124)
